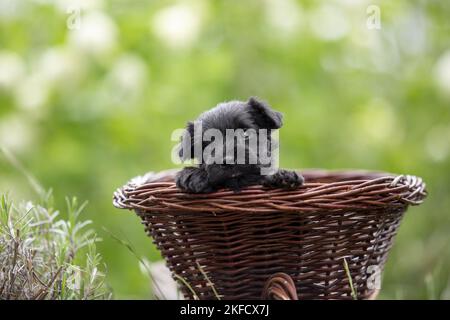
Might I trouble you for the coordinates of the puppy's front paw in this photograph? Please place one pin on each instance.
(284, 179)
(193, 180)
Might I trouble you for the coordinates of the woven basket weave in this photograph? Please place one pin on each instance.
(273, 243)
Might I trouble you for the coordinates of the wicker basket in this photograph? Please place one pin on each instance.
(280, 244)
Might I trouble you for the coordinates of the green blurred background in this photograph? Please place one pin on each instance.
(90, 92)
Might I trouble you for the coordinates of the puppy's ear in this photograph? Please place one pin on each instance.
(263, 115)
(187, 143)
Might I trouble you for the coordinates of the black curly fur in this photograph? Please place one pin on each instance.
(205, 178)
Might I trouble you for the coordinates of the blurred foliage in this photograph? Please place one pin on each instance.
(47, 258)
(90, 92)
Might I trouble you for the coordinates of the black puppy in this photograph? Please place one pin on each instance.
(209, 176)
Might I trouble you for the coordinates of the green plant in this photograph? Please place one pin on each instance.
(48, 258)
(350, 280)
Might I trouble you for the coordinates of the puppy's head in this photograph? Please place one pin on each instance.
(252, 114)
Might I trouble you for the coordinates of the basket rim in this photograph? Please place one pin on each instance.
(323, 190)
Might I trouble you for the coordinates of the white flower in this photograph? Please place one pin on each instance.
(32, 93)
(283, 15)
(442, 73)
(123, 85)
(58, 65)
(11, 9)
(12, 69)
(97, 33)
(16, 133)
(178, 25)
(128, 75)
(328, 22)
(411, 27)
